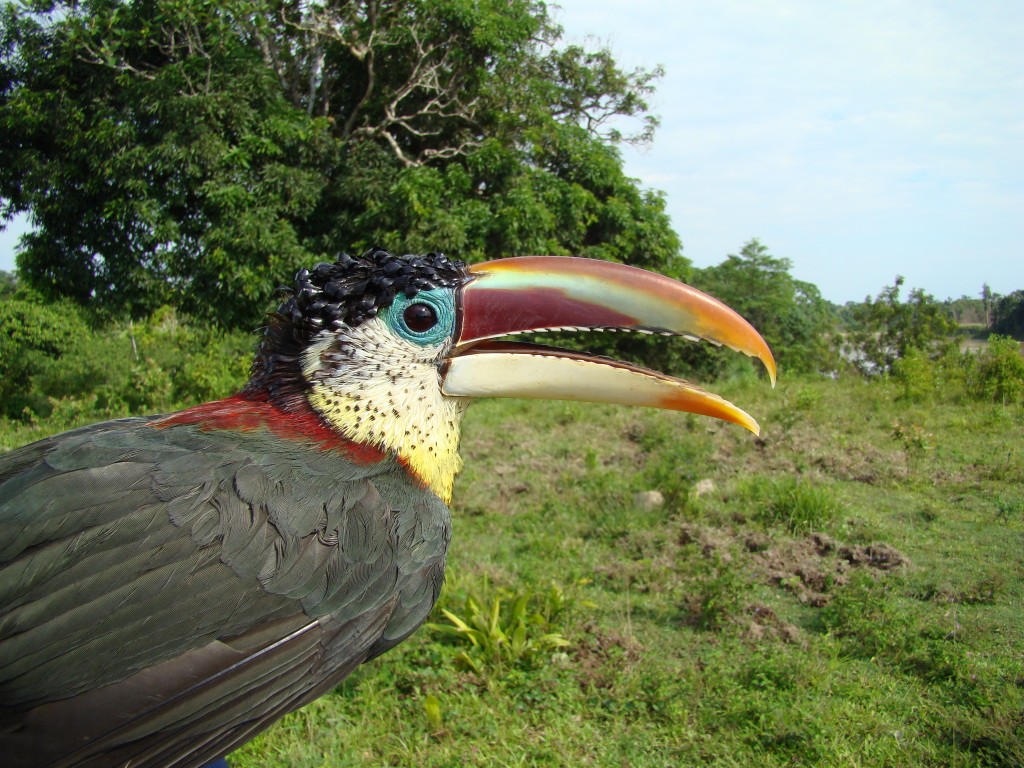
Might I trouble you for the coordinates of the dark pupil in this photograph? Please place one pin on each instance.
(420, 317)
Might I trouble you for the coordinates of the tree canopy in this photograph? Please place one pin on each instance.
(1008, 315)
(194, 153)
(791, 314)
(886, 329)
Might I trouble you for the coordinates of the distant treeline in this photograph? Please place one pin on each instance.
(996, 313)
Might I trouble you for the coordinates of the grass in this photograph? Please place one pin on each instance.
(844, 591)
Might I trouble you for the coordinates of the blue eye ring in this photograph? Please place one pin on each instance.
(427, 318)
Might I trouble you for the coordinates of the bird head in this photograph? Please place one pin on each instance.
(389, 350)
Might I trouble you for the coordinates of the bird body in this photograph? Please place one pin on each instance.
(182, 558)
(170, 586)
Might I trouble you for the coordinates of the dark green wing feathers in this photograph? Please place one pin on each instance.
(196, 584)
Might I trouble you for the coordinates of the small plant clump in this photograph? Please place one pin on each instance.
(501, 629)
(793, 503)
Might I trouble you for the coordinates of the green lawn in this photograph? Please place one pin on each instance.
(845, 591)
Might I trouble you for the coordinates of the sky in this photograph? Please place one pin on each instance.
(861, 139)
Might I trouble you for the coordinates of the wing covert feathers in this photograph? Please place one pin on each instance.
(165, 594)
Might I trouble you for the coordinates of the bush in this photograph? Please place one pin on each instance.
(915, 373)
(999, 374)
(48, 356)
(213, 365)
(31, 335)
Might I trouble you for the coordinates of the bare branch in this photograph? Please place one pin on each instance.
(429, 102)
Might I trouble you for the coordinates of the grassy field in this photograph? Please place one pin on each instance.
(846, 590)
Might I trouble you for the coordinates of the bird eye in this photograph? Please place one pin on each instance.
(426, 319)
(419, 317)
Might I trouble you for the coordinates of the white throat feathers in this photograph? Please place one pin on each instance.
(379, 389)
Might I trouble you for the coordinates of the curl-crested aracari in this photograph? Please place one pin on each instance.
(170, 586)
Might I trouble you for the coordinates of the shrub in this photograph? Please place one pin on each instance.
(999, 374)
(915, 373)
(31, 334)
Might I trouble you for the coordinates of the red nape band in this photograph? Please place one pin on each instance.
(246, 412)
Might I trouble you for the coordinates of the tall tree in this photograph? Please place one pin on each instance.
(791, 314)
(191, 153)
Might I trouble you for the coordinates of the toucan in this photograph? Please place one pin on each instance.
(171, 585)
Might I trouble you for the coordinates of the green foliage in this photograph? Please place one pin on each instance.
(998, 375)
(192, 154)
(32, 334)
(886, 329)
(915, 374)
(505, 629)
(790, 314)
(158, 163)
(951, 373)
(993, 374)
(53, 365)
(1008, 315)
(971, 311)
(8, 284)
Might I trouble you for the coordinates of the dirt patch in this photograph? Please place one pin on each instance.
(601, 658)
(814, 566)
(711, 541)
(765, 624)
(807, 449)
(810, 567)
(881, 557)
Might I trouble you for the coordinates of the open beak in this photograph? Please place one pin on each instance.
(554, 293)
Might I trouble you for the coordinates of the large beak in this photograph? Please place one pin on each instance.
(548, 293)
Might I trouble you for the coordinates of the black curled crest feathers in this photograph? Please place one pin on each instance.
(346, 292)
(353, 289)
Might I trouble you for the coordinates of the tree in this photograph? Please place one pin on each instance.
(193, 154)
(1008, 315)
(987, 299)
(885, 329)
(792, 316)
(968, 310)
(8, 284)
